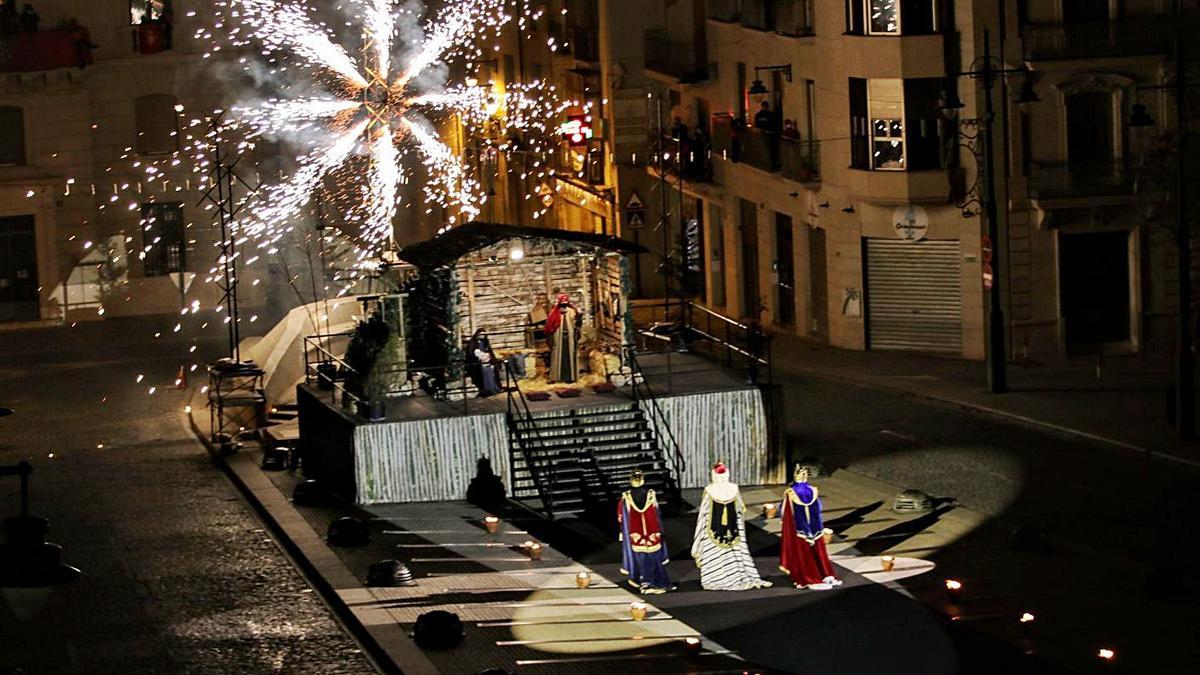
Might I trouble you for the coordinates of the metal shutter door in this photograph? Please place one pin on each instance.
(914, 295)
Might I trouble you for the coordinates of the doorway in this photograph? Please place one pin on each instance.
(1094, 289)
(18, 269)
(785, 269)
(818, 291)
(748, 226)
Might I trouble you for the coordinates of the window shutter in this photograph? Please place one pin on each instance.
(860, 127)
(855, 17)
(917, 16)
(921, 118)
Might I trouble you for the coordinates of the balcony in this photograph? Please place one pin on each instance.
(724, 10)
(1074, 180)
(1131, 36)
(43, 50)
(687, 159)
(786, 17)
(683, 61)
(582, 43)
(795, 160)
(800, 160)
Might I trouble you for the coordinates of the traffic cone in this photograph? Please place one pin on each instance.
(181, 378)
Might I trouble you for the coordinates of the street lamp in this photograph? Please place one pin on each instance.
(30, 567)
(988, 72)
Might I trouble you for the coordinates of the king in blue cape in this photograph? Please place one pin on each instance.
(643, 550)
(802, 551)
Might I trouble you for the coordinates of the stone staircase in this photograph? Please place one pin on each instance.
(579, 460)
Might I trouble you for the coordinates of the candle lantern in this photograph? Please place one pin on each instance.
(492, 523)
(583, 580)
(887, 563)
(637, 610)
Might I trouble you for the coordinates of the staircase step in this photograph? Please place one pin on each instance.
(547, 418)
(577, 431)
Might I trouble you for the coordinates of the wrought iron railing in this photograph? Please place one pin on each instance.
(800, 160)
(518, 410)
(644, 396)
(689, 158)
(682, 60)
(1081, 179)
(724, 10)
(1131, 36)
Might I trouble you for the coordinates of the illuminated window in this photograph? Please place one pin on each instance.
(145, 11)
(885, 104)
(883, 17)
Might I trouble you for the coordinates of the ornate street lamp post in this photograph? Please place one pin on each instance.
(988, 72)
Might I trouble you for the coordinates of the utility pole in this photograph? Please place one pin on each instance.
(995, 345)
(1185, 377)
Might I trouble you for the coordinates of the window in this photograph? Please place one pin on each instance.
(748, 224)
(693, 235)
(883, 17)
(12, 139)
(894, 124)
(885, 105)
(157, 124)
(145, 11)
(164, 249)
(892, 17)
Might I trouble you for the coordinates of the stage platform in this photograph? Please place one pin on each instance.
(427, 449)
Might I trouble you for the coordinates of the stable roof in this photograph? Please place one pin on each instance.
(475, 235)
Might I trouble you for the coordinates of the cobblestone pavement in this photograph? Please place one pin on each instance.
(179, 575)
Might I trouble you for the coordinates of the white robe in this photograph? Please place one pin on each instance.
(724, 567)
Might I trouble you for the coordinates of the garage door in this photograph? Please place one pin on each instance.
(914, 295)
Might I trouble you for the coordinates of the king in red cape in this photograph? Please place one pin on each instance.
(802, 551)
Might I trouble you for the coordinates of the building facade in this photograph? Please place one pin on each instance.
(815, 178)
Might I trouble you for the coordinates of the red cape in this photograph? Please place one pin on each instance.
(805, 563)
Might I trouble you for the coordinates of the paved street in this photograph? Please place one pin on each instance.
(179, 575)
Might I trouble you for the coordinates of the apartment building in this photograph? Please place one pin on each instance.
(77, 124)
(1092, 257)
(849, 209)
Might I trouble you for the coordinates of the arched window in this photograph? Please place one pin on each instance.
(157, 124)
(12, 136)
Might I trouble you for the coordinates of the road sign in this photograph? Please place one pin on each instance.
(986, 248)
(635, 211)
(987, 276)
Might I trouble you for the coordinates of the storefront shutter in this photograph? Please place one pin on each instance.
(914, 295)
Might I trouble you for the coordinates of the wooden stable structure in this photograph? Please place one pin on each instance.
(484, 275)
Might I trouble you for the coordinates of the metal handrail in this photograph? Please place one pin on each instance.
(511, 387)
(655, 411)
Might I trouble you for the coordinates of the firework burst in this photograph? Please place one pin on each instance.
(374, 98)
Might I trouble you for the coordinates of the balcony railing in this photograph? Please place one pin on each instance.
(1131, 36)
(786, 17)
(44, 50)
(689, 158)
(1081, 179)
(683, 61)
(800, 160)
(724, 10)
(760, 149)
(582, 43)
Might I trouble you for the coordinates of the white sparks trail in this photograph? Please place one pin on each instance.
(286, 26)
(448, 171)
(356, 100)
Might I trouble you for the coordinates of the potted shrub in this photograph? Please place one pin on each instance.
(376, 391)
(326, 373)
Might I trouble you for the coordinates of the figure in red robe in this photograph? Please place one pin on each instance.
(802, 551)
(562, 331)
(643, 550)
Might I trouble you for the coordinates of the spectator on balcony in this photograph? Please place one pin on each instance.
(701, 147)
(82, 40)
(678, 130)
(8, 17)
(790, 131)
(167, 18)
(764, 119)
(29, 19)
